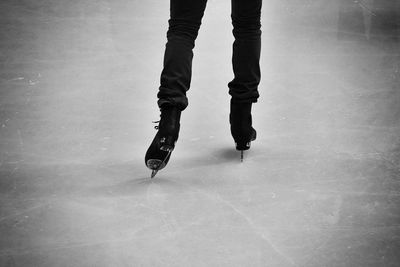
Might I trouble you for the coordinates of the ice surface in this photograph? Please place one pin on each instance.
(319, 186)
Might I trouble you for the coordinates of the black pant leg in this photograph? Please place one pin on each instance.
(184, 24)
(246, 21)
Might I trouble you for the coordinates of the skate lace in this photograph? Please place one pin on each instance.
(157, 126)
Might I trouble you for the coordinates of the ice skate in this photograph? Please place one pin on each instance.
(159, 152)
(241, 126)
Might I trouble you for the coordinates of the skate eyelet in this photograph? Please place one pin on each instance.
(167, 148)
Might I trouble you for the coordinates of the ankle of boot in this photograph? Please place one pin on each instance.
(170, 122)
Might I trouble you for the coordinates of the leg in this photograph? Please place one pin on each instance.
(246, 16)
(184, 25)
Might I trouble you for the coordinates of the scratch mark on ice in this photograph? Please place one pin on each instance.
(255, 229)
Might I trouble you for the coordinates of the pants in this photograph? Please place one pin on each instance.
(184, 23)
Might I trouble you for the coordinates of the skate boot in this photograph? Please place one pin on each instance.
(159, 152)
(241, 126)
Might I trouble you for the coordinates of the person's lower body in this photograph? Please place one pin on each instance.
(246, 21)
(184, 24)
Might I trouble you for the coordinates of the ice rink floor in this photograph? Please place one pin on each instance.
(319, 187)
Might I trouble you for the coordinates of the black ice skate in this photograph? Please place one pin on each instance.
(241, 126)
(159, 152)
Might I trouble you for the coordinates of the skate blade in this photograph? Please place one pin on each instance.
(156, 164)
(153, 173)
(241, 155)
